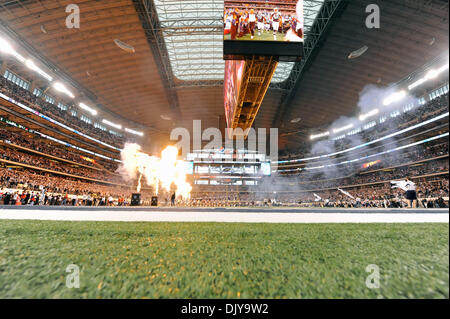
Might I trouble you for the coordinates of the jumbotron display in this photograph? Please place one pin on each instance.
(270, 28)
(228, 167)
(232, 85)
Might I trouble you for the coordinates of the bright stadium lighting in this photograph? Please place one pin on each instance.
(19, 57)
(315, 136)
(128, 130)
(5, 47)
(363, 117)
(23, 106)
(61, 88)
(437, 118)
(344, 128)
(30, 64)
(432, 74)
(417, 83)
(443, 68)
(117, 126)
(87, 108)
(394, 97)
(381, 153)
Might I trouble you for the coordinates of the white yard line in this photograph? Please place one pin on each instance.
(198, 216)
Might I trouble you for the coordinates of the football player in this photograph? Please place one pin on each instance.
(276, 18)
(261, 20)
(252, 22)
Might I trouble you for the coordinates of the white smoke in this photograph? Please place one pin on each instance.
(160, 173)
(370, 98)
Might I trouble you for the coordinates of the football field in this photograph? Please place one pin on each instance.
(265, 36)
(222, 260)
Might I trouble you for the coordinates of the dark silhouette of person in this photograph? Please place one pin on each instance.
(172, 199)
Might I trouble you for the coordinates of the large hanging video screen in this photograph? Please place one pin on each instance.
(232, 84)
(259, 27)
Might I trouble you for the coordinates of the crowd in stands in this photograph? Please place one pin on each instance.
(64, 116)
(406, 119)
(23, 186)
(42, 145)
(433, 189)
(357, 173)
(433, 192)
(15, 155)
(299, 190)
(415, 154)
(35, 183)
(433, 167)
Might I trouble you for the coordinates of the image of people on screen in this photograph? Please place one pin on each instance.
(259, 20)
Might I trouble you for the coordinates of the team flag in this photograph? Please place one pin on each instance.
(346, 193)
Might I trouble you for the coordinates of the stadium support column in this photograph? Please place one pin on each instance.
(150, 22)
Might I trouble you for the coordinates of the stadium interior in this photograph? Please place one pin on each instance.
(360, 109)
(50, 141)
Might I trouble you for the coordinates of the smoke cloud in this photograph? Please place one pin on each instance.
(160, 173)
(372, 97)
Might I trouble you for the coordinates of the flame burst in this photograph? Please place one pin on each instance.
(160, 173)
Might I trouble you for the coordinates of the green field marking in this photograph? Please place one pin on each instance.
(205, 260)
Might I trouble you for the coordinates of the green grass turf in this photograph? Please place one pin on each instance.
(215, 260)
(265, 36)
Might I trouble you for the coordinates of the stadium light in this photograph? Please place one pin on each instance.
(344, 128)
(368, 143)
(117, 126)
(23, 106)
(381, 153)
(443, 68)
(87, 108)
(417, 83)
(5, 47)
(432, 74)
(315, 136)
(61, 88)
(30, 64)
(128, 130)
(394, 97)
(363, 117)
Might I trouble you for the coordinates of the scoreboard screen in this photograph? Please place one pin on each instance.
(189, 167)
(258, 27)
(266, 169)
(228, 167)
(232, 84)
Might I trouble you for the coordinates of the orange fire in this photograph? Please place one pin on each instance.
(158, 172)
(370, 164)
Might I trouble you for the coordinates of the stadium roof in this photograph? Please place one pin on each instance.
(192, 31)
(175, 74)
